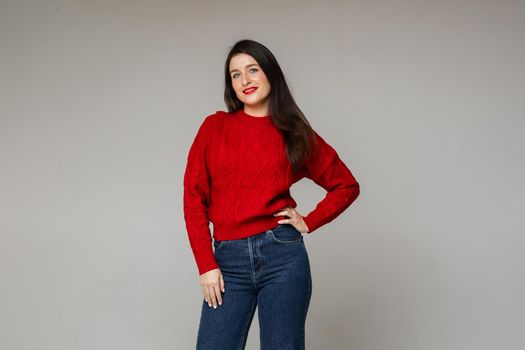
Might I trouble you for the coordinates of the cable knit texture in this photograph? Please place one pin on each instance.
(238, 175)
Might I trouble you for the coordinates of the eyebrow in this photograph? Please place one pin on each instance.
(248, 65)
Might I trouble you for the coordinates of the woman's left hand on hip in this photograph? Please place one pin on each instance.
(294, 218)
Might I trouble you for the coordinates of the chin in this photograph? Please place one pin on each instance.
(250, 103)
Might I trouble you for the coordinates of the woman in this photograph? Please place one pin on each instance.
(240, 168)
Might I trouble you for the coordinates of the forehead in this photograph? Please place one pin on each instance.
(241, 60)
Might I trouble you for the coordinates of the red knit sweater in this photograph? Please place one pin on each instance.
(238, 175)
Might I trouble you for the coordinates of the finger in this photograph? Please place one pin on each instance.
(221, 281)
(213, 297)
(218, 294)
(282, 212)
(207, 297)
(284, 221)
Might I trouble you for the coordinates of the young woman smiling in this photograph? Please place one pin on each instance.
(239, 171)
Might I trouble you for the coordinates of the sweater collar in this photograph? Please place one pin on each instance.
(253, 119)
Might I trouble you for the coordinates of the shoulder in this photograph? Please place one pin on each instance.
(214, 118)
(319, 142)
(321, 148)
(211, 120)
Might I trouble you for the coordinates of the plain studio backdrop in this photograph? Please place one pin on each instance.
(423, 100)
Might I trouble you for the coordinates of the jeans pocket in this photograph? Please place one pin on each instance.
(286, 233)
(217, 244)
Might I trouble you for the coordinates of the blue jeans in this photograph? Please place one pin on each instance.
(270, 270)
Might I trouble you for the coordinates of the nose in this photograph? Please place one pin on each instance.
(245, 80)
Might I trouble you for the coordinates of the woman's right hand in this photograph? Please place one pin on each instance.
(212, 283)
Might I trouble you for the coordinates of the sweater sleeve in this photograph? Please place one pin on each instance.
(327, 170)
(197, 185)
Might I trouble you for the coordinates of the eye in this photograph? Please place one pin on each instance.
(254, 69)
(234, 75)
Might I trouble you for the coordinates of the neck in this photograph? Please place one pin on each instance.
(256, 111)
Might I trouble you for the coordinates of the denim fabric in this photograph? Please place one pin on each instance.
(271, 271)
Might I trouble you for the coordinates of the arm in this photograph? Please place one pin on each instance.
(197, 185)
(327, 170)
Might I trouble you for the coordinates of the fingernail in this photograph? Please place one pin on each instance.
(209, 304)
(223, 290)
(214, 306)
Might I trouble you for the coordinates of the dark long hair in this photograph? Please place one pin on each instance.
(286, 115)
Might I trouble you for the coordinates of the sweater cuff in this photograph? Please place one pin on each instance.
(207, 262)
(311, 222)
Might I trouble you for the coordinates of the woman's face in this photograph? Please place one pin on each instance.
(250, 83)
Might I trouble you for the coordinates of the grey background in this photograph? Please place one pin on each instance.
(424, 101)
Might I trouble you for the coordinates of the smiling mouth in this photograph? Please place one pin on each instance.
(249, 90)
